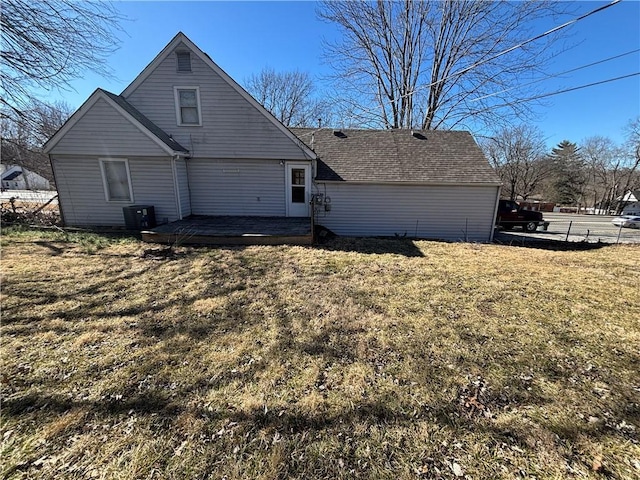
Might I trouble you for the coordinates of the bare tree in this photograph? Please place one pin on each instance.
(23, 137)
(632, 155)
(605, 163)
(289, 96)
(48, 43)
(436, 64)
(518, 156)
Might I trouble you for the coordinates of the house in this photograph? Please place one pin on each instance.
(631, 202)
(434, 184)
(15, 177)
(186, 139)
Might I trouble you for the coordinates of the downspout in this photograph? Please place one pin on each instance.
(495, 213)
(176, 186)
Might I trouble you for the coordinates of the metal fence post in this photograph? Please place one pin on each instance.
(568, 230)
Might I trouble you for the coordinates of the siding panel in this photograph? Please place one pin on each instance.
(103, 131)
(438, 212)
(81, 191)
(231, 127)
(237, 187)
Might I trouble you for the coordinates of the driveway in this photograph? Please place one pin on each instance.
(575, 228)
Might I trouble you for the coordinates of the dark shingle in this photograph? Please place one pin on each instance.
(148, 124)
(397, 156)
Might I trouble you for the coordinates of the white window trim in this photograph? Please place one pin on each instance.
(104, 179)
(176, 97)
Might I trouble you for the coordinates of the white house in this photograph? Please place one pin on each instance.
(15, 177)
(187, 139)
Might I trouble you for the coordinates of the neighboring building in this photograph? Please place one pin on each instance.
(187, 139)
(15, 177)
(631, 202)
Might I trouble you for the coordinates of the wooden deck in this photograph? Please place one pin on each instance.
(204, 230)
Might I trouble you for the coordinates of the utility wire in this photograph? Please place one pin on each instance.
(556, 75)
(544, 95)
(580, 87)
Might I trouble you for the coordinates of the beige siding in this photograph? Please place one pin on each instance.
(231, 126)
(183, 186)
(104, 131)
(237, 187)
(438, 212)
(82, 197)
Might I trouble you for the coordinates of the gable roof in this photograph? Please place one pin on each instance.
(145, 122)
(381, 156)
(12, 173)
(182, 38)
(146, 126)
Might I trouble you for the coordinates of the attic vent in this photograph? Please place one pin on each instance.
(418, 135)
(184, 61)
(339, 134)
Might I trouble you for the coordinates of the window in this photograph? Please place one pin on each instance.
(297, 185)
(116, 180)
(188, 105)
(184, 62)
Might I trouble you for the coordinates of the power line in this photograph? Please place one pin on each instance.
(544, 95)
(556, 75)
(580, 87)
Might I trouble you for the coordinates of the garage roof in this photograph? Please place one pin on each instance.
(381, 156)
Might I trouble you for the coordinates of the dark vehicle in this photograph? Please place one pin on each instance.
(511, 215)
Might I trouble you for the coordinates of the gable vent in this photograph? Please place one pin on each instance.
(184, 61)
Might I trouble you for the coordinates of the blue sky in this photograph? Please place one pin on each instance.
(244, 37)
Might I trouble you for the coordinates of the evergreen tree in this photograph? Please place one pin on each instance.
(570, 174)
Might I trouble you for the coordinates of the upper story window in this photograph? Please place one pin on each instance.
(184, 62)
(188, 112)
(116, 180)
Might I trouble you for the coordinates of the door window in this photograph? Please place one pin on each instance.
(297, 185)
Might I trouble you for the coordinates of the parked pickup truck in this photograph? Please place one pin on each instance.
(510, 215)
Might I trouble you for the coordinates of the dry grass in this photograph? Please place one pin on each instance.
(361, 359)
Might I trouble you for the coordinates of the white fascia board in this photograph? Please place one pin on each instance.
(86, 106)
(182, 38)
(72, 120)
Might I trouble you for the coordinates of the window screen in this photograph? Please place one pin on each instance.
(116, 180)
(188, 107)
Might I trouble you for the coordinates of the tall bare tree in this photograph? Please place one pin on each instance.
(23, 136)
(518, 156)
(436, 64)
(604, 161)
(48, 43)
(289, 96)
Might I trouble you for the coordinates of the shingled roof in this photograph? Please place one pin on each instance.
(148, 124)
(397, 156)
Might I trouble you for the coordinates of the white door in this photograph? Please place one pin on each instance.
(298, 189)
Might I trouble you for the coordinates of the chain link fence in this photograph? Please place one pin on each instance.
(567, 227)
(29, 207)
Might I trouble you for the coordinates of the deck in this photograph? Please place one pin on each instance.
(205, 230)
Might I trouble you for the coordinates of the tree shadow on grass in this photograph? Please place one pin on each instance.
(524, 241)
(379, 246)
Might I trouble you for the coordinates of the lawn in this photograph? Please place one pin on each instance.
(365, 359)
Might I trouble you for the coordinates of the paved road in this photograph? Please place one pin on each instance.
(576, 228)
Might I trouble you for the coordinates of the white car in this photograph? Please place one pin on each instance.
(630, 221)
